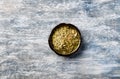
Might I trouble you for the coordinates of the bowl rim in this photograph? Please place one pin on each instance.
(52, 32)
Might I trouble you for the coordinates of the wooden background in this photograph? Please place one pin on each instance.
(25, 26)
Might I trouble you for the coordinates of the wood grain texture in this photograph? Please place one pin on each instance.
(25, 26)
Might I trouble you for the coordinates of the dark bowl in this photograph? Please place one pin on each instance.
(52, 32)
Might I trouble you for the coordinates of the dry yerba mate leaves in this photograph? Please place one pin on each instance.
(65, 39)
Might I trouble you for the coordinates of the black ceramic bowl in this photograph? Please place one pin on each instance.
(60, 26)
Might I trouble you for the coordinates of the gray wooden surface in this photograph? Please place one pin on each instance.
(25, 26)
